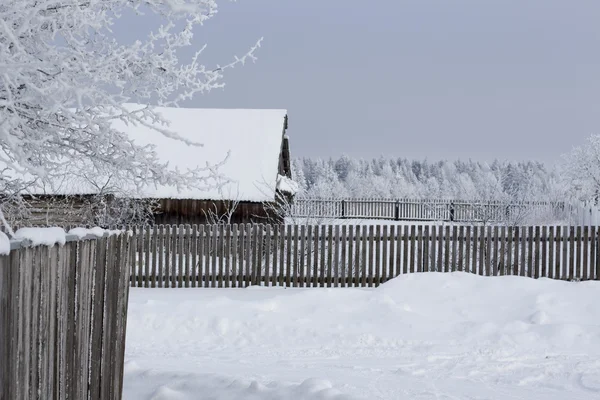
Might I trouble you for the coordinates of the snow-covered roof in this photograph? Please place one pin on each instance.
(252, 137)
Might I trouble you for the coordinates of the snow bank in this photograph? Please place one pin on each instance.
(151, 384)
(421, 336)
(42, 236)
(4, 244)
(96, 231)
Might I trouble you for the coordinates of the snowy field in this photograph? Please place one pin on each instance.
(422, 336)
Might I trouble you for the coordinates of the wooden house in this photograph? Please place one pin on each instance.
(254, 145)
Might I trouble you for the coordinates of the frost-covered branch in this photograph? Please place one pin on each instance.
(64, 78)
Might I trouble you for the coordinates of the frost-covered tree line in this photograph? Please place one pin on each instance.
(403, 178)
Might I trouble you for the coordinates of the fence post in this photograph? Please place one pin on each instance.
(451, 211)
(343, 208)
(397, 210)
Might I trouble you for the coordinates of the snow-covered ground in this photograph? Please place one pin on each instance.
(421, 336)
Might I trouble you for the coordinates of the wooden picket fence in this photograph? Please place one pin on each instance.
(63, 313)
(427, 209)
(354, 255)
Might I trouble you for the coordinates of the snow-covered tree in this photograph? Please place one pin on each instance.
(64, 77)
(581, 170)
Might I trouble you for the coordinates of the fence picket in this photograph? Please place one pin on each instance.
(309, 253)
(495, 252)
(258, 253)
(447, 249)
(296, 266)
(537, 253)
(530, 258)
(440, 249)
(431, 263)
(336, 256)
(544, 241)
(353, 255)
(564, 273)
(392, 253)
(160, 253)
(523, 245)
(597, 253)
(227, 254)
(278, 261)
(323, 248)
(419, 256)
(424, 266)
(398, 266)
(241, 256)
(255, 257)
(268, 252)
(502, 252)
(315, 270)
(371, 255)
(234, 252)
(329, 255)
(140, 256)
(181, 255)
(486, 250)
(454, 245)
(577, 257)
(513, 251)
(147, 244)
(363, 264)
(346, 249)
(473, 246)
(167, 253)
(571, 274)
(194, 258)
(413, 234)
(248, 239)
(584, 264)
(467, 248)
(174, 258)
(551, 252)
(288, 258)
(593, 254)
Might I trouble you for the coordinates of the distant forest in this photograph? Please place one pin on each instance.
(402, 178)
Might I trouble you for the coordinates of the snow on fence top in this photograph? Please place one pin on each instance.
(251, 137)
(50, 236)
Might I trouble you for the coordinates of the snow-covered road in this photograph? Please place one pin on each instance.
(420, 336)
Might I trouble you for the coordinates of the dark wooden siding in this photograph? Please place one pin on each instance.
(186, 211)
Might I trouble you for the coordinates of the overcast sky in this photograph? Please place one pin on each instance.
(435, 79)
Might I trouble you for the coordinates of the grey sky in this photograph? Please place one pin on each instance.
(436, 79)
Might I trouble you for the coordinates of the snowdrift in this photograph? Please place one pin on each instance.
(419, 336)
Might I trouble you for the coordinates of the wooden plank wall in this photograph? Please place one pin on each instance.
(348, 255)
(63, 313)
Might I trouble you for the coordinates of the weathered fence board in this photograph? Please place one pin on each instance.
(63, 312)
